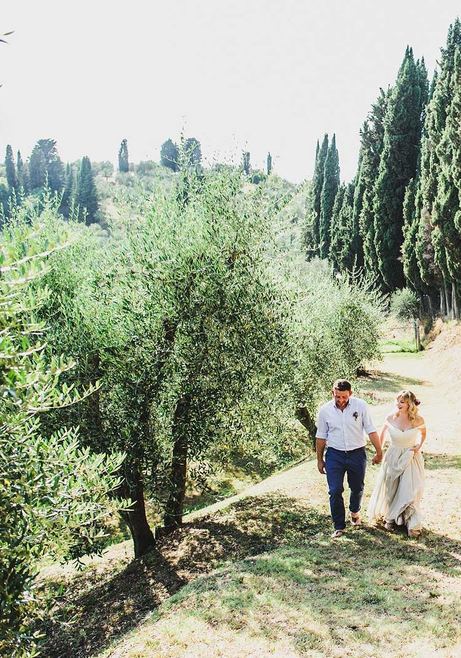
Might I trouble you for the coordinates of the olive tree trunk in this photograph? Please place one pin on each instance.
(175, 504)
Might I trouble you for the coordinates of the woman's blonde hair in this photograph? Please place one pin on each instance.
(410, 398)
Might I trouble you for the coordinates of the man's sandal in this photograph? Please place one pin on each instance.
(338, 533)
(355, 519)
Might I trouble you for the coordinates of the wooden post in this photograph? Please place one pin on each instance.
(417, 334)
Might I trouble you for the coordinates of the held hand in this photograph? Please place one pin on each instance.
(377, 459)
(321, 466)
(416, 448)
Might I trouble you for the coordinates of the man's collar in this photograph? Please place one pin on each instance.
(348, 403)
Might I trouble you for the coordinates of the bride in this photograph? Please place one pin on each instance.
(396, 497)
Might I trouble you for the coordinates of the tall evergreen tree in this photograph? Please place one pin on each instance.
(371, 148)
(45, 165)
(317, 185)
(330, 187)
(268, 164)
(419, 267)
(21, 174)
(446, 214)
(169, 155)
(123, 162)
(37, 169)
(345, 245)
(410, 230)
(246, 163)
(336, 229)
(86, 196)
(398, 165)
(68, 195)
(11, 177)
(435, 205)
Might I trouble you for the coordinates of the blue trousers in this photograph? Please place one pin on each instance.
(337, 465)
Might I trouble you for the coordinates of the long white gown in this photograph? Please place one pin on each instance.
(400, 483)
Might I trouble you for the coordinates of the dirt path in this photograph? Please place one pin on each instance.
(442, 454)
(253, 562)
(403, 601)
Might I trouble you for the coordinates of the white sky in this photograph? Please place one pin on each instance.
(256, 75)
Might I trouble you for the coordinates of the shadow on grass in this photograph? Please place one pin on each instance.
(433, 461)
(390, 382)
(85, 621)
(89, 620)
(371, 591)
(270, 553)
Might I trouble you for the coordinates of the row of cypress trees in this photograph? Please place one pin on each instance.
(399, 220)
(44, 168)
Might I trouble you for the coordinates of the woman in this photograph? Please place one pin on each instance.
(396, 497)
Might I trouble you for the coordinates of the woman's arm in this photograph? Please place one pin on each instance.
(382, 436)
(422, 434)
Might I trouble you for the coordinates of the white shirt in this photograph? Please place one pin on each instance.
(348, 429)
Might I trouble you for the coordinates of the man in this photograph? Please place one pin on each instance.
(342, 426)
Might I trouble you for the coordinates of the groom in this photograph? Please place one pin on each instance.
(342, 426)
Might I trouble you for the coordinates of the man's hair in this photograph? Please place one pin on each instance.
(342, 385)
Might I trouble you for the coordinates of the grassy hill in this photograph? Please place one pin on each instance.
(259, 575)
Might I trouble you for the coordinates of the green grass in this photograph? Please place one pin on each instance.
(394, 345)
(365, 594)
(260, 576)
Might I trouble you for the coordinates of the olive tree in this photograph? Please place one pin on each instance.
(53, 494)
(406, 306)
(178, 316)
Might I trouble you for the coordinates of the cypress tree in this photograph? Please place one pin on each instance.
(350, 256)
(337, 230)
(37, 169)
(330, 187)
(429, 272)
(398, 165)
(446, 215)
(410, 229)
(46, 165)
(411, 212)
(246, 163)
(434, 205)
(69, 190)
(371, 148)
(317, 185)
(21, 174)
(268, 164)
(123, 162)
(86, 196)
(11, 177)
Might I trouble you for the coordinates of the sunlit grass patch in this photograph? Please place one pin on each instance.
(402, 345)
(363, 595)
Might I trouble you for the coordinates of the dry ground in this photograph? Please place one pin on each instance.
(111, 609)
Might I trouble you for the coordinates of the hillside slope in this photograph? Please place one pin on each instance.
(258, 575)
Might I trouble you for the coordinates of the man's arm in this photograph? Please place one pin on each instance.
(376, 442)
(320, 449)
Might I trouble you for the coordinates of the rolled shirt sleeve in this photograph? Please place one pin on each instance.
(322, 426)
(368, 424)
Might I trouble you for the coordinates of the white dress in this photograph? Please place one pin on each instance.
(400, 483)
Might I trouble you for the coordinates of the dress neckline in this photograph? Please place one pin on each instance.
(415, 427)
